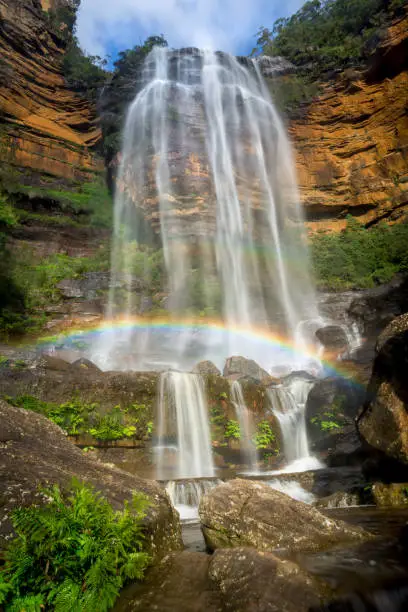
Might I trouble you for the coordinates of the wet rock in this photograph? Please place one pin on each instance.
(332, 337)
(250, 513)
(180, 583)
(35, 452)
(397, 326)
(259, 582)
(70, 288)
(85, 364)
(206, 367)
(331, 409)
(374, 309)
(344, 499)
(394, 494)
(240, 367)
(384, 421)
(49, 362)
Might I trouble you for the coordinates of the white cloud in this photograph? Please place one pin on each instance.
(221, 24)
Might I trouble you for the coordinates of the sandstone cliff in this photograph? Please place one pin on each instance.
(352, 143)
(45, 129)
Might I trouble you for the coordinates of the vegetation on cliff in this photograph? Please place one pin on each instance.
(74, 553)
(359, 258)
(328, 34)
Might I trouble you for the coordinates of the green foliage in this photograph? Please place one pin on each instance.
(264, 437)
(323, 424)
(327, 34)
(359, 257)
(90, 204)
(76, 417)
(30, 285)
(110, 427)
(62, 19)
(232, 430)
(85, 74)
(8, 215)
(12, 298)
(74, 553)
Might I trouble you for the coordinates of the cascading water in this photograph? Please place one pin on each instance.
(246, 426)
(206, 172)
(186, 495)
(288, 405)
(183, 441)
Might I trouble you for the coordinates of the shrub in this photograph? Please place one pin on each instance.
(76, 417)
(232, 430)
(74, 553)
(264, 437)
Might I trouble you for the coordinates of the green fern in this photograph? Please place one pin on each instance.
(74, 554)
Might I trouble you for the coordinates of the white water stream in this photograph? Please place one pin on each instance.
(288, 404)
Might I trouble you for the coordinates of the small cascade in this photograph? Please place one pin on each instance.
(293, 489)
(288, 405)
(246, 425)
(354, 338)
(185, 496)
(184, 442)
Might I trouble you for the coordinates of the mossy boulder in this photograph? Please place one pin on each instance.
(250, 513)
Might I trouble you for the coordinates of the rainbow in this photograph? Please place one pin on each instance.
(262, 336)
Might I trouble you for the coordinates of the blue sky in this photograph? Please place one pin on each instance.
(108, 26)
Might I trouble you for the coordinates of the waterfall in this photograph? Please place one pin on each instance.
(183, 429)
(206, 173)
(288, 405)
(206, 180)
(246, 426)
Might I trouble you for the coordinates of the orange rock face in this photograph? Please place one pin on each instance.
(352, 145)
(46, 128)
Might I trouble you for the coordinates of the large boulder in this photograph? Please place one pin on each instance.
(35, 452)
(206, 367)
(258, 582)
(250, 513)
(384, 421)
(240, 367)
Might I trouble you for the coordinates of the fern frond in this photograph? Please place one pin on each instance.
(29, 603)
(67, 597)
